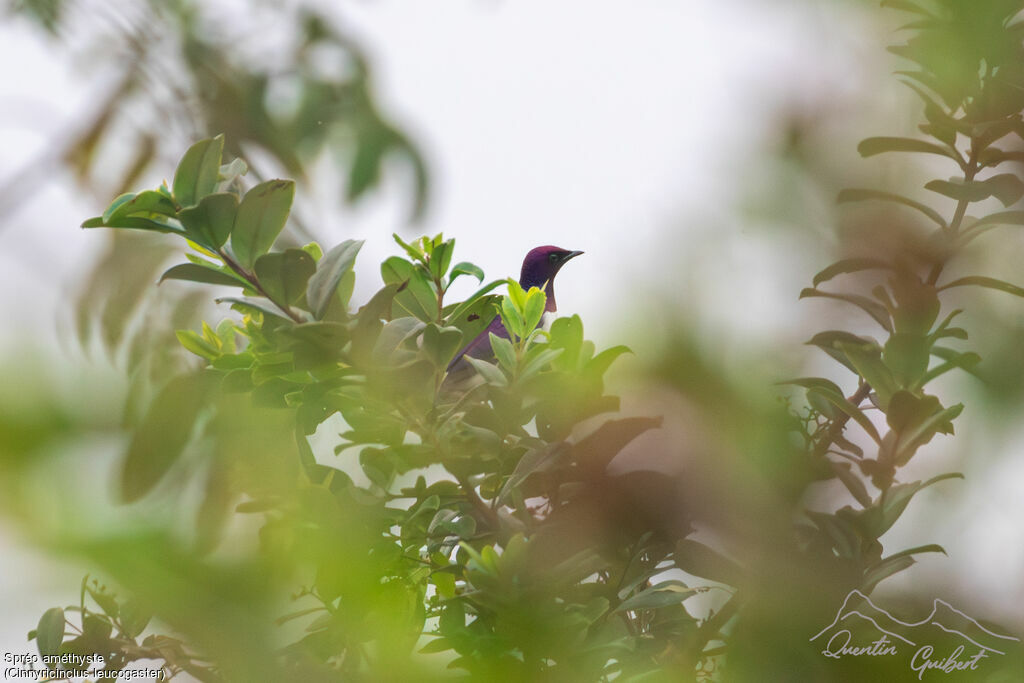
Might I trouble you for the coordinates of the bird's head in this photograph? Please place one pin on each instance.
(540, 267)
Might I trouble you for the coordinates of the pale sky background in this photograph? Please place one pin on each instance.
(616, 128)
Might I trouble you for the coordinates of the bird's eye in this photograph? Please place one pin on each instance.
(552, 257)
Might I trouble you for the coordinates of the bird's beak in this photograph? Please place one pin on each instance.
(571, 255)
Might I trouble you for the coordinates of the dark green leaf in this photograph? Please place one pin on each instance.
(490, 373)
(982, 281)
(283, 275)
(906, 355)
(210, 222)
(884, 570)
(930, 548)
(852, 482)
(198, 171)
(160, 439)
(134, 618)
(147, 202)
(867, 359)
(136, 223)
(463, 309)
(466, 268)
(872, 146)
(1005, 187)
(416, 298)
(441, 343)
(441, 258)
(329, 272)
(249, 305)
(965, 361)
(50, 632)
(105, 600)
(837, 399)
(535, 460)
(895, 499)
(869, 306)
(196, 273)
(857, 195)
(850, 265)
(260, 219)
(664, 594)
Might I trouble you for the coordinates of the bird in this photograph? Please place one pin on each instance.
(539, 269)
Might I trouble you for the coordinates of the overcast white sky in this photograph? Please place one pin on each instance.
(579, 123)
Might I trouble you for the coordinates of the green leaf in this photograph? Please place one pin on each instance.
(534, 460)
(490, 373)
(852, 482)
(441, 258)
(230, 171)
(50, 632)
(895, 499)
(837, 399)
(134, 618)
(600, 363)
(906, 355)
(105, 600)
(533, 309)
(664, 594)
(441, 343)
(209, 275)
(871, 146)
(982, 281)
(415, 297)
(539, 359)
(135, 223)
(466, 268)
(462, 309)
(859, 194)
(869, 306)
(196, 344)
(1005, 187)
(850, 265)
(512, 319)
(867, 360)
(283, 275)
(249, 305)
(147, 202)
(210, 222)
(323, 285)
(414, 252)
(884, 570)
(474, 319)
(503, 351)
(829, 341)
(161, 437)
(120, 200)
(917, 435)
(198, 171)
(930, 548)
(964, 361)
(999, 218)
(260, 219)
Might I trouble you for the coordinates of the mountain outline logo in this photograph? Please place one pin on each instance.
(946, 640)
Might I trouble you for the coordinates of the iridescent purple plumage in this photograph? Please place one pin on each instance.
(539, 269)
